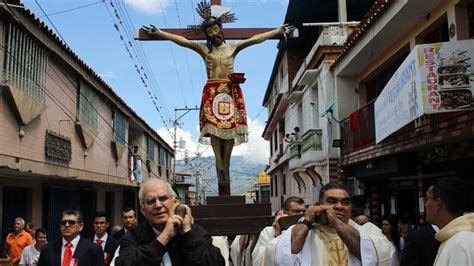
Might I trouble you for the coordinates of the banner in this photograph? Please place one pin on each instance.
(434, 78)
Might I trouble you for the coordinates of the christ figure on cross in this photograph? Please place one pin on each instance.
(222, 113)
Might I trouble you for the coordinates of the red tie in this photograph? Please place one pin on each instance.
(99, 242)
(67, 254)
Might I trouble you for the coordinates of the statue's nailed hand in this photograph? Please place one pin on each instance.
(152, 29)
(287, 29)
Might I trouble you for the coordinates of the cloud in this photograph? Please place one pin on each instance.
(149, 7)
(256, 150)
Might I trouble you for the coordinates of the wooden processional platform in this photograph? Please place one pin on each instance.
(229, 215)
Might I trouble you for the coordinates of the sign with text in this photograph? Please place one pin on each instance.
(433, 78)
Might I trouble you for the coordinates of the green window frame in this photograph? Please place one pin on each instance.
(120, 126)
(88, 105)
(25, 62)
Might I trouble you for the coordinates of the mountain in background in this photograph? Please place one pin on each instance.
(243, 173)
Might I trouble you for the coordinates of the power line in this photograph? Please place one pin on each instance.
(72, 9)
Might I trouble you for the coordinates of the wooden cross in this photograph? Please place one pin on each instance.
(229, 33)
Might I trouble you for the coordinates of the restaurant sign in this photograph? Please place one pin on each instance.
(434, 78)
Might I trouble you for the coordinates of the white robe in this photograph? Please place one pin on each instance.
(221, 243)
(375, 248)
(264, 239)
(457, 242)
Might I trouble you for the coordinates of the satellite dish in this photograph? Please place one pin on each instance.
(329, 108)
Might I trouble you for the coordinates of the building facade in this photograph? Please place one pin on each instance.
(66, 138)
(391, 175)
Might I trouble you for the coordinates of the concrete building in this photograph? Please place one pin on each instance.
(64, 133)
(391, 174)
(299, 95)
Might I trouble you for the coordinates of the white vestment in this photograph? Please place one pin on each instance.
(264, 239)
(375, 248)
(457, 242)
(221, 243)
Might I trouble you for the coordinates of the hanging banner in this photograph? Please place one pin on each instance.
(434, 78)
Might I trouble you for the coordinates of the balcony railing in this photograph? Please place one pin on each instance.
(358, 130)
(306, 150)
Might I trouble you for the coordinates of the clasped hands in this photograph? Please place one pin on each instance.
(175, 224)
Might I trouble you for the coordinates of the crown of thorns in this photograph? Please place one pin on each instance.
(204, 11)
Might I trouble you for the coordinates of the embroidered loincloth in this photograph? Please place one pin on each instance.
(223, 112)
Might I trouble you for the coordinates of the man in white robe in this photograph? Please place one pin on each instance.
(445, 202)
(339, 242)
(292, 206)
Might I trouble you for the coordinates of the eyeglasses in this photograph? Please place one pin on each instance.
(334, 201)
(162, 199)
(68, 222)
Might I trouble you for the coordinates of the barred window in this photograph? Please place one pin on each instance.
(120, 127)
(162, 156)
(87, 106)
(25, 63)
(150, 148)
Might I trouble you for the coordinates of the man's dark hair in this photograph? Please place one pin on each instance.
(38, 231)
(289, 200)
(127, 209)
(209, 23)
(453, 192)
(80, 218)
(332, 185)
(102, 214)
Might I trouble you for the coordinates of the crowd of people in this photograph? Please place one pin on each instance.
(29, 247)
(324, 233)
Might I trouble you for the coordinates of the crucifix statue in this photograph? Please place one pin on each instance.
(222, 113)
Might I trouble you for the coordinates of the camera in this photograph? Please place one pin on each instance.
(321, 219)
(181, 210)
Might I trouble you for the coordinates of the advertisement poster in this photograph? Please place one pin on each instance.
(434, 78)
(446, 76)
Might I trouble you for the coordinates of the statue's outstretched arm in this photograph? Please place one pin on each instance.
(258, 38)
(179, 40)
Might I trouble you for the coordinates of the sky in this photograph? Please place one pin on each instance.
(175, 75)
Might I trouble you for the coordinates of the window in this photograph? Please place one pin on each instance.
(162, 159)
(119, 127)
(24, 63)
(150, 148)
(88, 105)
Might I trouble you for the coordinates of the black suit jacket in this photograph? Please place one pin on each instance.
(86, 252)
(109, 249)
(118, 235)
(420, 248)
(140, 247)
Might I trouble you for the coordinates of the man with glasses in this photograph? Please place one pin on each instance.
(103, 240)
(449, 206)
(292, 206)
(71, 248)
(165, 238)
(335, 240)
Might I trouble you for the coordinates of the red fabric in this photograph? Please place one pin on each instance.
(67, 254)
(223, 107)
(99, 242)
(354, 120)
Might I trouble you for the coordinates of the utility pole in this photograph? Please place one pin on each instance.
(186, 110)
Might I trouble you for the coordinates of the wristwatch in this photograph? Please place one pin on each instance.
(303, 220)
